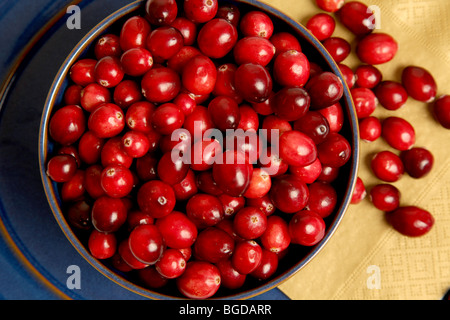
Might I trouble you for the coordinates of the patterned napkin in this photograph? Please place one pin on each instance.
(367, 259)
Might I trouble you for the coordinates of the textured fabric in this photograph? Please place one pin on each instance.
(366, 258)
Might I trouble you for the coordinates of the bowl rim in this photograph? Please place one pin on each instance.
(49, 186)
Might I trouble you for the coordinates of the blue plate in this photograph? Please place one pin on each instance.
(36, 260)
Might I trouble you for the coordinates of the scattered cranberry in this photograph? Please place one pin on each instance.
(385, 197)
(368, 76)
(359, 193)
(411, 221)
(418, 162)
(441, 110)
(321, 25)
(376, 48)
(370, 129)
(330, 5)
(391, 94)
(365, 102)
(387, 166)
(338, 48)
(357, 17)
(398, 133)
(419, 83)
(348, 74)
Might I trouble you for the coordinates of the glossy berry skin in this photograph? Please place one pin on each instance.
(82, 72)
(260, 184)
(164, 42)
(348, 74)
(171, 171)
(291, 103)
(117, 181)
(135, 143)
(250, 223)
(177, 230)
(369, 129)
(231, 205)
(172, 264)
(391, 94)
(335, 116)
(385, 197)
(200, 280)
(338, 48)
(128, 257)
(229, 12)
(309, 173)
(139, 116)
(306, 228)
(335, 151)
(136, 218)
(126, 93)
(419, 83)
(441, 111)
(264, 203)
(161, 12)
(109, 72)
(328, 83)
(107, 121)
(136, 61)
(74, 189)
(368, 76)
(67, 124)
(108, 214)
(92, 181)
(134, 33)
(267, 267)
(289, 194)
(297, 149)
(167, 118)
(200, 11)
(231, 279)
(61, 168)
(418, 162)
(247, 256)
(313, 124)
(276, 238)
(330, 5)
(107, 45)
(72, 95)
(323, 198)
(156, 198)
(357, 18)
(224, 113)
(257, 24)
(376, 48)
(160, 85)
(359, 192)
(387, 166)
(114, 153)
(217, 38)
(321, 25)
(93, 95)
(186, 188)
(291, 68)
(199, 75)
(398, 133)
(225, 82)
(204, 210)
(102, 245)
(151, 278)
(365, 102)
(146, 243)
(411, 221)
(213, 245)
(285, 41)
(254, 50)
(253, 82)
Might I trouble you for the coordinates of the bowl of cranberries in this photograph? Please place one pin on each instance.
(198, 148)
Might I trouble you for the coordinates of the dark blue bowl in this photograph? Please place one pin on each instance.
(297, 257)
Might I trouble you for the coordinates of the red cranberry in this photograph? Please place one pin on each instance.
(164, 42)
(369, 129)
(160, 85)
(330, 5)
(419, 83)
(161, 12)
(127, 256)
(70, 150)
(136, 61)
(72, 95)
(206, 183)
(199, 75)
(156, 198)
(264, 203)
(134, 33)
(217, 38)
(231, 279)
(376, 48)
(172, 171)
(329, 174)
(151, 278)
(267, 267)
(187, 28)
(441, 110)
(276, 238)
(109, 72)
(181, 58)
(79, 215)
(135, 143)
(297, 149)
(200, 11)
(137, 217)
(61, 168)
(249, 118)
(247, 256)
(139, 116)
(232, 173)
(385, 197)
(172, 264)
(398, 133)
(391, 95)
(229, 12)
(250, 223)
(167, 118)
(253, 82)
(322, 198)
(201, 279)
(291, 103)
(285, 41)
(338, 48)
(94, 95)
(213, 244)
(255, 50)
(334, 115)
(108, 214)
(418, 162)
(117, 181)
(359, 192)
(82, 72)
(309, 173)
(102, 245)
(271, 124)
(272, 163)
(325, 89)
(177, 230)
(185, 102)
(289, 194)
(321, 25)
(313, 124)
(365, 102)
(204, 153)
(146, 167)
(335, 151)
(260, 184)
(225, 82)
(265, 108)
(368, 76)
(67, 124)
(186, 188)
(306, 228)
(291, 68)
(231, 205)
(146, 243)
(224, 112)
(127, 93)
(411, 221)
(348, 74)
(114, 153)
(357, 17)
(387, 166)
(107, 45)
(107, 121)
(257, 24)
(74, 188)
(205, 210)
(93, 183)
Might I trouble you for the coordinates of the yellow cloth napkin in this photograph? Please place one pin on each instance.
(366, 258)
